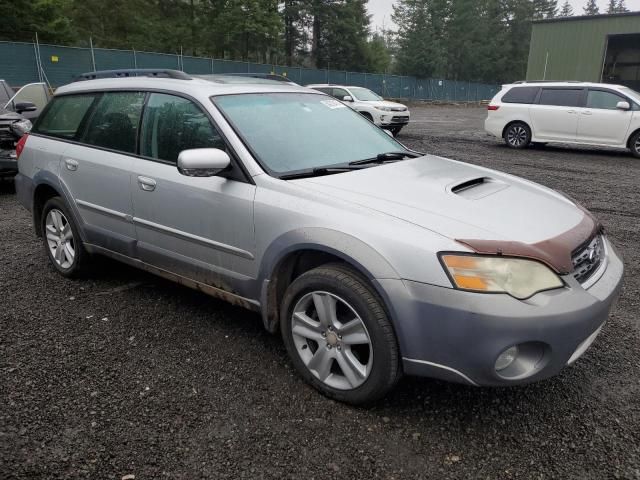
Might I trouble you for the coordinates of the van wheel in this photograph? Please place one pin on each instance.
(517, 135)
(338, 335)
(634, 145)
(61, 239)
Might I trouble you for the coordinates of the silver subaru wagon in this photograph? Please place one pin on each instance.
(371, 259)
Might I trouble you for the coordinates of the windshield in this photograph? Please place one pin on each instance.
(631, 93)
(365, 95)
(292, 132)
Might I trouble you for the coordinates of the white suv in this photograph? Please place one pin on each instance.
(388, 115)
(567, 112)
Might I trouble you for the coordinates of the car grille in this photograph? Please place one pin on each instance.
(400, 119)
(587, 258)
(5, 131)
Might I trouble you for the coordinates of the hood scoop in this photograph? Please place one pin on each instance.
(476, 188)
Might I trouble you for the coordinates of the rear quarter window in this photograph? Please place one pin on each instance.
(521, 95)
(64, 115)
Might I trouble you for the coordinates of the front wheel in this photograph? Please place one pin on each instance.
(517, 135)
(634, 145)
(396, 131)
(338, 335)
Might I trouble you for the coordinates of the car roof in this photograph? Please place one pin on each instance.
(313, 85)
(213, 85)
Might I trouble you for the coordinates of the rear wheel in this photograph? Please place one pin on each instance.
(634, 145)
(338, 335)
(517, 135)
(62, 241)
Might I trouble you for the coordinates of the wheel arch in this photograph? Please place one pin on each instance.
(41, 194)
(306, 249)
(633, 134)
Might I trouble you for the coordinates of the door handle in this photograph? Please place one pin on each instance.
(571, 111)
(71, 164)
(587, 112)
(146, 184)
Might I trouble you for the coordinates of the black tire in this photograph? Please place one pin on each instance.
(634, 144)
(396, 131)
(342, 281)
(81, 257)
(517, 135)
(368, 116)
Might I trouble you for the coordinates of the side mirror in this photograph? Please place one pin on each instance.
(623, 106)
(25, 107)
(202, 162)
(347, 98)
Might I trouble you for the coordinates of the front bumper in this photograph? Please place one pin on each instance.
(394, 119)
(458, 336)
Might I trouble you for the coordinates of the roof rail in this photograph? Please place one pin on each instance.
(548, 81)
(134, 72)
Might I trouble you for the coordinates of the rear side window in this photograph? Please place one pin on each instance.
(64, 116)
(603, 100)
(521, 95)
(115, 120)
(562, 97)
(172, 124)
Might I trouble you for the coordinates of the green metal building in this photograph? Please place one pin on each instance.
(597, 48)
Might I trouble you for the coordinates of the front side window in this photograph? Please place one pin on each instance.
(561, 97)
(172, 124)
(35, 93)
(365, 95)
(114, 123)
(603, 100)
(63, 116)
(340, 93)
(292, 132)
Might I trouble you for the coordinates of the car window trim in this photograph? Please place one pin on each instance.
(235, 158)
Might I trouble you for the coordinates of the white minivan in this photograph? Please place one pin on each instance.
(567, 112)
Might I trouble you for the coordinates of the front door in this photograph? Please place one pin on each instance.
(601, 122)
(199, 228)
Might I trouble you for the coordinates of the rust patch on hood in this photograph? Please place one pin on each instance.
(554, 252)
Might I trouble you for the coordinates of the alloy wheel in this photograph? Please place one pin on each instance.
(517, 136)
(60, 238)
(636, 146)
(332, 340)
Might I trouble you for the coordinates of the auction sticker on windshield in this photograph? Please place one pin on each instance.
(333, 104)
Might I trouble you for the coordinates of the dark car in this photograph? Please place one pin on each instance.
(17, 111)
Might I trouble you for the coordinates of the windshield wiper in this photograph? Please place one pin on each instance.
(387, 157)
(318, 172)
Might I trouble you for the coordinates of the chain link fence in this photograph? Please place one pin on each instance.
(20, 62)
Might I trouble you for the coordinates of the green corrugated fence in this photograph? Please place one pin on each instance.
(18, 66)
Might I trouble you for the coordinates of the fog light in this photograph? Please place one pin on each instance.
(506, 358)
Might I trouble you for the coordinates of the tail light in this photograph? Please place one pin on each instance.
(20, 145)
(493, 108)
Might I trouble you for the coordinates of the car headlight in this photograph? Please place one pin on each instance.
(21, 127)
(520, 278)
(385, 109)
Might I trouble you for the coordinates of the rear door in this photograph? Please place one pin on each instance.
(601, 122)
(96, 170)
(555, 116)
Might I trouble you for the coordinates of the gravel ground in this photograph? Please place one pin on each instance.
(124, 373)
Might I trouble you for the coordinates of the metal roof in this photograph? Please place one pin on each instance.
(602, 16)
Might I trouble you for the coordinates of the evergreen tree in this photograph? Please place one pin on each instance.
(591, 8)
(544, 9)
(566, 10)
(622, 7)
(613, 6)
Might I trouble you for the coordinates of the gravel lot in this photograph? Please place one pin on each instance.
(124, 373)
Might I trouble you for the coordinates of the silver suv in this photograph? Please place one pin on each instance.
(372, 260)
